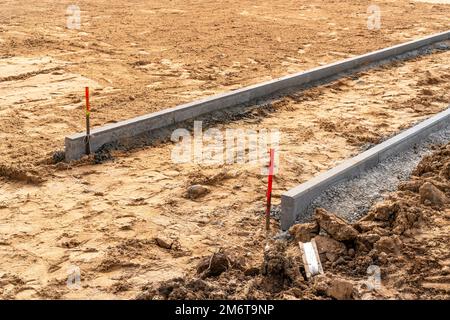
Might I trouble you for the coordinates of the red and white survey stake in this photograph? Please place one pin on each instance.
(88, 126)
(269, 190)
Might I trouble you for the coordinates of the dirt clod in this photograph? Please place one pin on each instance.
(214, 265)
(278, 268)
(428, 192)
(336, 227)
(58, 156)
(389, 244)
(384, 211)
(304, 232)
(329, 249)
(164, 242)
(340, 289)
(196, 191)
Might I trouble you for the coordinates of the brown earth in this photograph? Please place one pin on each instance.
(145, 56)
(127, 223)
(403, 239)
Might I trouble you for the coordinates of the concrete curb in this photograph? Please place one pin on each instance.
(297, 200)
(75, 145)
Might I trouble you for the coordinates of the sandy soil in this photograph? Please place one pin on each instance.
(398, 251)
(143, 57)
(104, 218)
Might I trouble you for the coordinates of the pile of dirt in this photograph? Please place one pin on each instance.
(224, 276)
(398, 250)
(403, 237)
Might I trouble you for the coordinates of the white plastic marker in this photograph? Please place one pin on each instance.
(311, 259)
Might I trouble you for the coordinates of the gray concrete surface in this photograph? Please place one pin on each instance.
(296, 203)
(74, 145)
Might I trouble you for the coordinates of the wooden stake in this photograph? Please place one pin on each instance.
(269, 191)
(88, 125)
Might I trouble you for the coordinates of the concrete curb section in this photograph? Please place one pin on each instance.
(296, 201)
(75, 144)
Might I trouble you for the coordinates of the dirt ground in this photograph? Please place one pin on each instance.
(105, 219)
(398, 251)
(145, 56)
